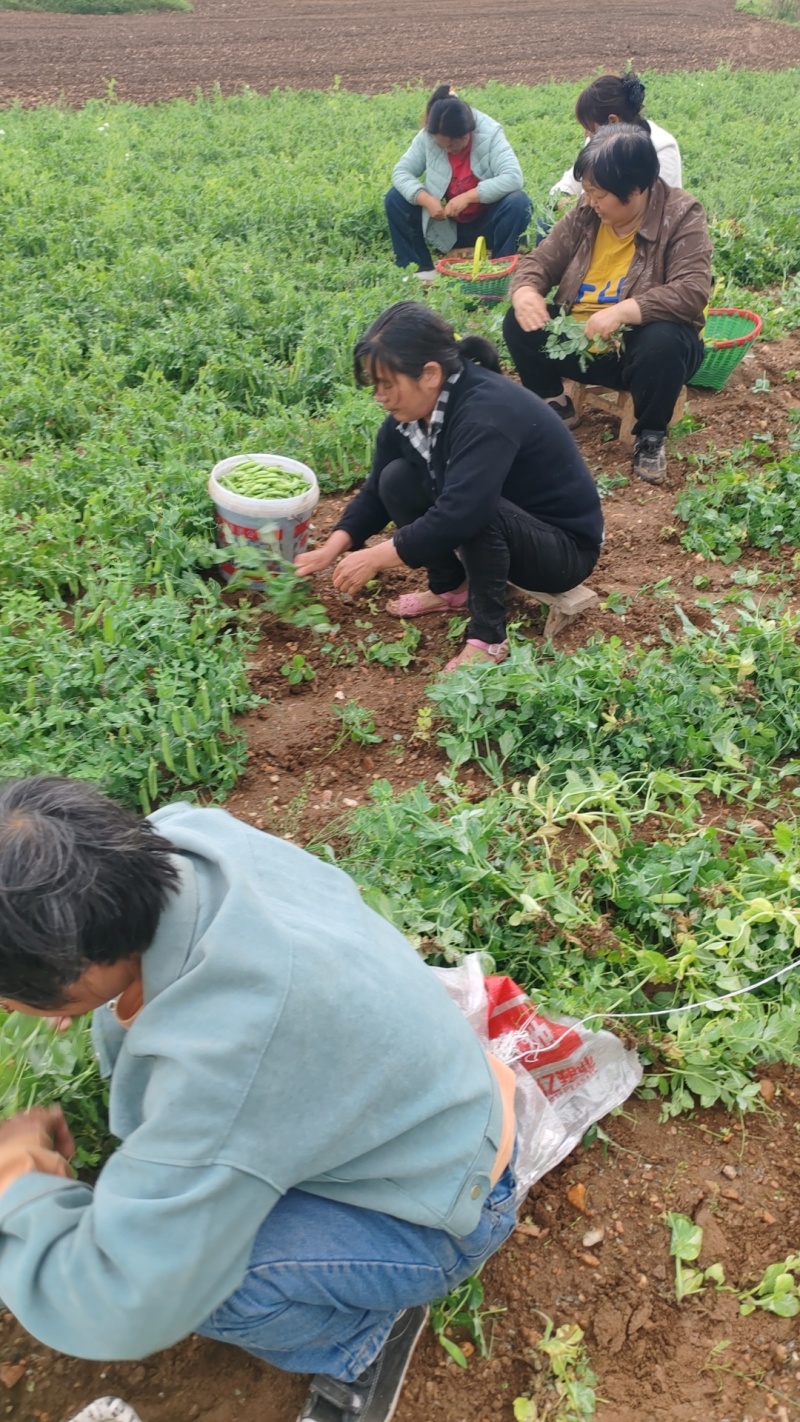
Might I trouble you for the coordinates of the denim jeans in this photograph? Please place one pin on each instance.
(513, 547)
(326, 1281)
(501, 223)
(655, 362)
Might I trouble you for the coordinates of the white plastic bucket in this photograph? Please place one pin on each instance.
(280, 526)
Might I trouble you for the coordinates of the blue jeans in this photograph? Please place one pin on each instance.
(326, 1281)
(501, 223)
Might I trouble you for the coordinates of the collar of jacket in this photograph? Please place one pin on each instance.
(166, 958)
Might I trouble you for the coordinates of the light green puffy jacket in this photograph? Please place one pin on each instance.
(493, 161)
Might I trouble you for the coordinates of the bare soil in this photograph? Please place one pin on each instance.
(656, 1361)
(306, 44)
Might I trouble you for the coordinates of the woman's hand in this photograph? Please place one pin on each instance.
(530, 309)
(316, 561)
(457, 204)
(43, 1127)
(431, 204)
(359, 568)
(321, 558)
(604, 323)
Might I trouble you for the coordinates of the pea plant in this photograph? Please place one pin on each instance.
(357, 725)
(566, 337)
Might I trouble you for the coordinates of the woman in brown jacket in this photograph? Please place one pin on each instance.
(634, 253)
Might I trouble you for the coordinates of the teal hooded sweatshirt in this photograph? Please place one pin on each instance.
(290, 1037)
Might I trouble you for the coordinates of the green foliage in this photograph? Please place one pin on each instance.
(287, 597)
(567, 337)
(187, 280)
(573, 1379)
(686, 1242)
(357, 724)
(399, 653)
(778, 1291)
(649, 892)
(711, 700)
(298, 670)
(462, 1308)
(787, 10)
(742, 504)
(40, 1065)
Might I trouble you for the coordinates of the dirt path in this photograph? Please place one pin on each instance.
(307, 43)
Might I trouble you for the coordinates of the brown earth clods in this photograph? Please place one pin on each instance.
(656, 1361)
(306, 44)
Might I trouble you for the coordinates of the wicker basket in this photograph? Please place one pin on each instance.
(728, 334)
(487, 278)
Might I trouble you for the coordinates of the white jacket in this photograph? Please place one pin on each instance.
(669, 163)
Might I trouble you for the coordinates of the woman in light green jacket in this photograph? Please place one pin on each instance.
(459, 180)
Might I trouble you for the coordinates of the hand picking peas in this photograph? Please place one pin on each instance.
(254, 480)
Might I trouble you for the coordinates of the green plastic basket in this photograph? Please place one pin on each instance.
(727, 335)
(489, 284)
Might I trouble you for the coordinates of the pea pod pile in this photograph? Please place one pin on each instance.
(254, 480)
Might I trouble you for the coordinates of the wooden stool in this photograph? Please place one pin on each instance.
(615, 402)
(564, 607)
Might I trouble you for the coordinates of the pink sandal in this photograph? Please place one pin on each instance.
(476, 651)
(411, 604)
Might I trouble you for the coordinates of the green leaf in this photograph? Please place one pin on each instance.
(453, 1349)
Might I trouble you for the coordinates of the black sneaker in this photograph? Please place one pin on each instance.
(566, 412)
(650, 457)
(375, 1393)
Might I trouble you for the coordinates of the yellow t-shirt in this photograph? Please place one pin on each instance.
(610, 264)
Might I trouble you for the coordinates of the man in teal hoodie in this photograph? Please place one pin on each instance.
(314, 1142)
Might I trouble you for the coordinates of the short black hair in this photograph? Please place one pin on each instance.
(83, 880)
(407, 335)
(620, 159)
(449, 116)
(618, 94)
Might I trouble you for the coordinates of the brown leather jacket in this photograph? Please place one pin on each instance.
(670, 275)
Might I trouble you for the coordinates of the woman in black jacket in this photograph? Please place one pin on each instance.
(481, 478)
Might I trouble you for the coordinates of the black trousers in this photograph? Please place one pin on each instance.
(513, 547)
(656, 361)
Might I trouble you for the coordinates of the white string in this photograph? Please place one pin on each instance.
(531, 1052)
(692, 1006)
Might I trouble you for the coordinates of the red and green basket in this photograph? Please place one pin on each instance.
(486, 278)
(728, 334)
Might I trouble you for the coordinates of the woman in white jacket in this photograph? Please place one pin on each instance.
(459, 180)
(613, 99)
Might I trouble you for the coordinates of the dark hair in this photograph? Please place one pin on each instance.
(82, 881)
(611, 94)
(448, 115)
(408, 335)
(619, 158)
(443, 91)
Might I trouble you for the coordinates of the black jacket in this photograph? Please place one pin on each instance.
(498, 441)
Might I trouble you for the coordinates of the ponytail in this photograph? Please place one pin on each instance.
(480, 352)
(621, 95)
